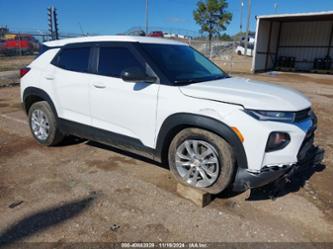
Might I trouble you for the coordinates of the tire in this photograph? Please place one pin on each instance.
(218, 175)
(49, 134)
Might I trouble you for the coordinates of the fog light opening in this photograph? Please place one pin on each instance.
(277, 141)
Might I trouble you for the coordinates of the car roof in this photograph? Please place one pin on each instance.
(112, 38)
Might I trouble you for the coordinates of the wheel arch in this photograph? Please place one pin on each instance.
(177, 122)
(32, 95)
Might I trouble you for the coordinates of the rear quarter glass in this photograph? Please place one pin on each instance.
(43, 48)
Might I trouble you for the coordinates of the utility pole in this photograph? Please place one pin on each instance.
(247, 26)
(53, 23)
(241, 16)
(20, 44)
(146, 19)
(50, 22)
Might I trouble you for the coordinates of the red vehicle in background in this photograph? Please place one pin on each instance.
(2, 46)
(156, 34)
(22, 44)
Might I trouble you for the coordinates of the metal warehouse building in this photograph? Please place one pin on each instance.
(294, 42)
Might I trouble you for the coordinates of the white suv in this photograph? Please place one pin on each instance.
(164, 100)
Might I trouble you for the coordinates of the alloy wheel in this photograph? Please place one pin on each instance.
(197, 163)
(40, 124)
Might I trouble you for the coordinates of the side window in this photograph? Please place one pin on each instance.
(113, 60)
(74, 59)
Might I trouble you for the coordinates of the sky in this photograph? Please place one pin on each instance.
(117, 16)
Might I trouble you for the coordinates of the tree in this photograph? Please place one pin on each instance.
(213, 17)
(225, 37)
(238, 36)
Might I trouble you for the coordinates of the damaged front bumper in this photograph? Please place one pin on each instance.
(308, 153)
(247, 180)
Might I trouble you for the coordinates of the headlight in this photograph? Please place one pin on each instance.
(272, 115)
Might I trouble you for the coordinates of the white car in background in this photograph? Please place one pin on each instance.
(240, 50)
(164, 100)
(169, 35)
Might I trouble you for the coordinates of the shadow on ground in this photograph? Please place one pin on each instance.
(286, 185)
(71, 140)
(43, 219)
(126, 153)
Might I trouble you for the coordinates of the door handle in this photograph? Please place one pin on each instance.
(49, 77)
(100, 86)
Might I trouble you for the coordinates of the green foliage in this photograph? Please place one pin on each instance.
(239, 35)
(212, 16)
(225, 37)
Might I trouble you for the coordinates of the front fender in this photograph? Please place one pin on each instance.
(176, 122)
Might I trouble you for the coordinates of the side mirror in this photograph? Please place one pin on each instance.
(136, 74)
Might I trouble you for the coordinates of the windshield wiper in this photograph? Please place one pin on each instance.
(218, 77)
(190, 81)
(197, 80)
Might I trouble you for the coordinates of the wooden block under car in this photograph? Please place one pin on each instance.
(198, 197)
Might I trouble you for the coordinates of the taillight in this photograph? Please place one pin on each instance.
(24, 71)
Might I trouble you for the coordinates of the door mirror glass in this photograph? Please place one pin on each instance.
(136, 74)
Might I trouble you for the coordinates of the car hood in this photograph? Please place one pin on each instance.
(248, 93)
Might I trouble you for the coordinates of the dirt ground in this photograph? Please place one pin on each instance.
(14, 62)
(84, 192)
(235, 63)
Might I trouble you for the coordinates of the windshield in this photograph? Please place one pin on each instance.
(182, 64)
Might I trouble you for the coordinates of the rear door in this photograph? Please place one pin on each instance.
(71, 83)
(120, 107)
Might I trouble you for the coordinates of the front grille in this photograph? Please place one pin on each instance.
(302, 115)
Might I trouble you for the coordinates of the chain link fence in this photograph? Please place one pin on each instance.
(229, 55)
(25, 42)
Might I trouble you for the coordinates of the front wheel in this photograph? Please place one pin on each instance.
(201, 159)
(43, 124)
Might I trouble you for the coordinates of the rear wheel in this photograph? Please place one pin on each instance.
(201, 159)
(43, 124)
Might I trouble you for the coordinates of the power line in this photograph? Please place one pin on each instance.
(81, 29)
